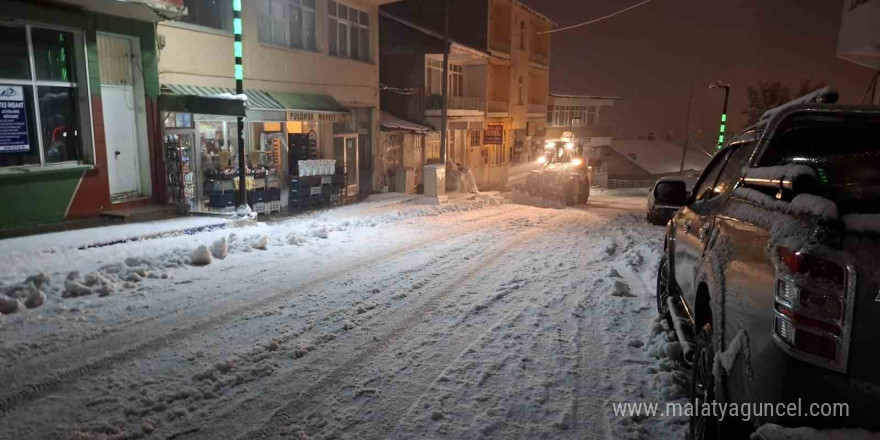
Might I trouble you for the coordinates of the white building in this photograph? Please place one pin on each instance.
(859, 40)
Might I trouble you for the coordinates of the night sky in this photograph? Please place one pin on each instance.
(649, 56)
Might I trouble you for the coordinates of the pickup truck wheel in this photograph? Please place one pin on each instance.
(664, 290)
(703, 426)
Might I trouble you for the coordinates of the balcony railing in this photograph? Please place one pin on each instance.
(537, 108)
(435, 102)
(539, 58)
(499, 106)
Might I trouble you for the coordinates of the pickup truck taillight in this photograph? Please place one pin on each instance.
(811, 308)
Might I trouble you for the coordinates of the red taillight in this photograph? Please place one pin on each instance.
(811, 301)
(818, 269)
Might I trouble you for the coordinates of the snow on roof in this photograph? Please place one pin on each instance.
(390, 123)
(660, 157)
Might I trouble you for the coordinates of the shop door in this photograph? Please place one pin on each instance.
(119, 109)
(345, 150)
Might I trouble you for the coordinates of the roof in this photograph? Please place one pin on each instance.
(387, 122)
(256, 100)
(266, 100)
(534, 12)
(309, 103)
(660, 157)
(557, 95)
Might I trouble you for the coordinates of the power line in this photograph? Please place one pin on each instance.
(594, 21)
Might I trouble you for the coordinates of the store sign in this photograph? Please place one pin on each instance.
(315, 117)
(494, 134)
(13, 120)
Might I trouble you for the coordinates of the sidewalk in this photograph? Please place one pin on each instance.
(108, 235)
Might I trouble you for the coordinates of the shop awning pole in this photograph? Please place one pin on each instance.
(444, 112)
(239, 89)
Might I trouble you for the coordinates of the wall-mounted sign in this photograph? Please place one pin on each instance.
(316, 117)
(493, 134)
(13, 120)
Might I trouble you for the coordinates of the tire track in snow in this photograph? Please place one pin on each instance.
(95, 358)
(312, 394)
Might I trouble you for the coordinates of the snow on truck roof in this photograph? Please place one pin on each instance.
(660, 157)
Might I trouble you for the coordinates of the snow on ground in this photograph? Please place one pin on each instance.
(481, 318)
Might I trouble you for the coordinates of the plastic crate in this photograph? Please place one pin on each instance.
(274, 206)
(222, 200)
(273, 194)
(260, 208)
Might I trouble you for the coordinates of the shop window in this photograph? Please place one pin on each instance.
(349, 31)
(215, 14)
(44, 107)
(289, 23)
(476, 138)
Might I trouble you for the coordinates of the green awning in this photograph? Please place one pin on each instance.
(256, 99)
(309, 103)
(201, 105)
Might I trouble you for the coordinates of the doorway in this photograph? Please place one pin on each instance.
(122, 100)
(345, 151)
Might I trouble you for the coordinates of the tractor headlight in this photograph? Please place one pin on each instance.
(542, 160)
(577, 161)
(550, 145)
(569, 146)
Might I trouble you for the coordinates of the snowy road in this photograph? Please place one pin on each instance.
(479, 319)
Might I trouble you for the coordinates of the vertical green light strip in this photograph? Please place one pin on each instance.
(723, 129)
(238, 48)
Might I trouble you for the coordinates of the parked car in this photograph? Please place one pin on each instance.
(665, 198)
(564, 172)
(773, 264)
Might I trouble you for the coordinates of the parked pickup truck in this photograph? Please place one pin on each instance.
(771, 270)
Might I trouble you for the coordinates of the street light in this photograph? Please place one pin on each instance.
(726, 87)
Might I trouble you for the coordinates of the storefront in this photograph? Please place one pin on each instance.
(79, 88)
(280, 130)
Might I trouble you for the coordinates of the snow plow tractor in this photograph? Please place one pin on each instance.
(564, 174)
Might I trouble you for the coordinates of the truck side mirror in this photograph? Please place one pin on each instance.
(671, 193)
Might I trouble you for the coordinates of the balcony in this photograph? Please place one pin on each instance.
(537, 109)
(462, 105)
(499, 107)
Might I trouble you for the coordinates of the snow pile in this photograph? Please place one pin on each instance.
(724, 360)
(521, 197)
(803, 204)
(776, 432)
(786, 172)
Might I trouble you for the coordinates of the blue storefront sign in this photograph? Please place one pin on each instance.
(13, 120)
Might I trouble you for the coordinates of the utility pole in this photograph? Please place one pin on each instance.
(687, 129)
(239, 89)
(726, 87)
(444, 119)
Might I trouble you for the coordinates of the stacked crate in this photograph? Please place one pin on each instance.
(312, 192)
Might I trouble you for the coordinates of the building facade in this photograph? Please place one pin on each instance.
(79, 97)
(859, 40)
(311, 78)
(497, 82)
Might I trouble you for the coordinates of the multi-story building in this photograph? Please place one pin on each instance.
(311, 76)
(498, 78)
(859, 40)
(79, 89)
(580, 115)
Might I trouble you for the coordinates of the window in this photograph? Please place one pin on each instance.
(216, 14)
(43, 103)
(522, 90)
(455, 79)
(550, 110)
(498, 154)
(705, 187)
(349, 31)
(733, 170)
(522, 35)
(592, 115)
(433, 76)
(289, 23)
(476, 138)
